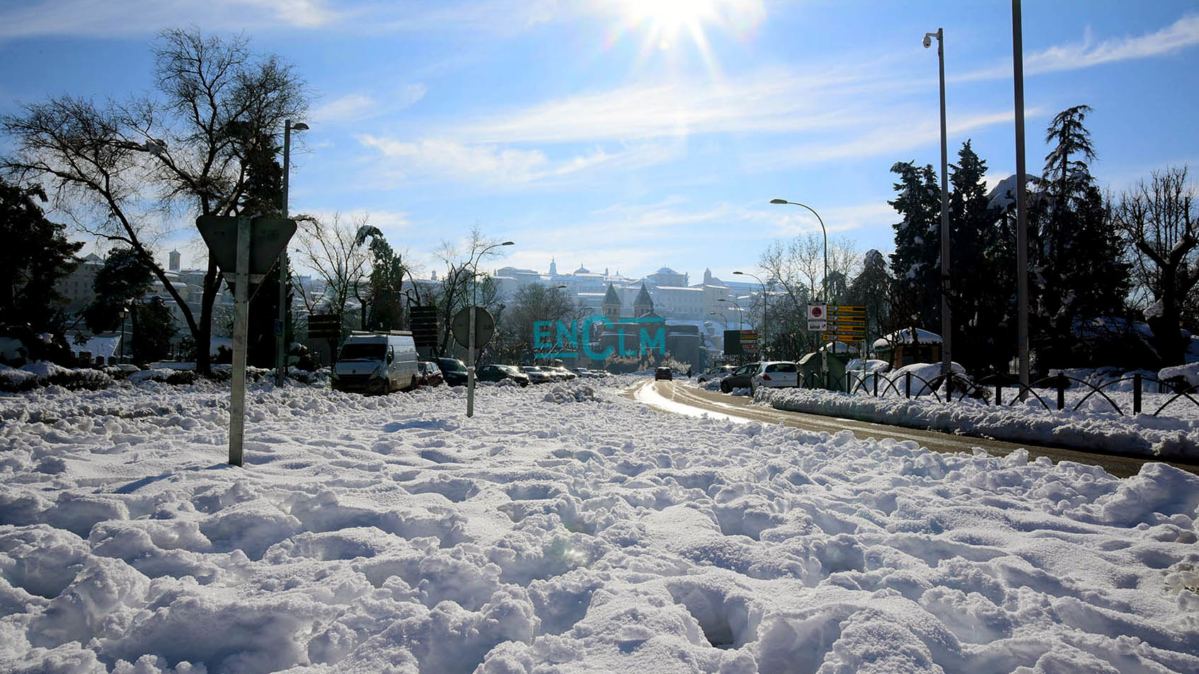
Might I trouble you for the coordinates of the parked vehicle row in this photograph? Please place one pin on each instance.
(382, 362)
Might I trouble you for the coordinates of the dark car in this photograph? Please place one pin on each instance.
(739, 378)
(430, 374)
(453, 371)
(502, 372)
(664, 373)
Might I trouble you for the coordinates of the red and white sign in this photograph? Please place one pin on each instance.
(817, 316)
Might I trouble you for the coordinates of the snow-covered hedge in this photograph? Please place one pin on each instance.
(43, 373)
(1165, 437)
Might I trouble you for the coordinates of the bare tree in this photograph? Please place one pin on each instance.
(1160, 223)
(461, 287)
(119, 168)
(797, 274)
(531, 304)
(333, 249)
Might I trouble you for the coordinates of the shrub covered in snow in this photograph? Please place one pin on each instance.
(45, 373)
(164, 375)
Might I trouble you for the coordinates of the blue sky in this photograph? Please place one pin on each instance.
(631, 134)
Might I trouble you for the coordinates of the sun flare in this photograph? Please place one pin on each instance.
(665, 22)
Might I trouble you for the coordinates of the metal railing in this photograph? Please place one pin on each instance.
(912, 386)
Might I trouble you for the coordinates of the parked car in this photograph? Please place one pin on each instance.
(430, 374)
(561, 372)
(376, 362)
(775, 374)
(738, 378)
(502, 372)
(453, 371)
(715, 373)
(664, 373)
(536, 375)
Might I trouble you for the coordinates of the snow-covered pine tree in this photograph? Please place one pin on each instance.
(1078, 261)
(916, 262)
(979, 300)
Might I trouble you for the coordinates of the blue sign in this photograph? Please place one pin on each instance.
(572, 340)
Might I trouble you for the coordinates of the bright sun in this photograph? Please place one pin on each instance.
(664, 21)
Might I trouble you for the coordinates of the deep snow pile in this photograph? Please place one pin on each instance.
(1089, 429)
(394, 534)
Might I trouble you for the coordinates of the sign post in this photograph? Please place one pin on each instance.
(473, 328)
(241, 315)
(245, 249)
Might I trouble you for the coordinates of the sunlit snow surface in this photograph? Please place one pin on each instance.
(563, 533)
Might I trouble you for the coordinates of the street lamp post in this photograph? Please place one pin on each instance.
(824, 282)
(281, 338)
(764, 307)
(470, 348)
(122, 312)
(738, 306)
(946, 324)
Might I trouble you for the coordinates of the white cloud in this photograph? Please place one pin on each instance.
(132, 17)
(1177, 36)
(359, 106)
(794, 220)
(769, 101)
(447, 159)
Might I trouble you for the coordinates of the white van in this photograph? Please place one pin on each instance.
(376, 362)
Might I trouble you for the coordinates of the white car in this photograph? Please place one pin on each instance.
(536, 374)
(775, 374)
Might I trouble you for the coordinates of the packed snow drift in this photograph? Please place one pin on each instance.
(569, 532)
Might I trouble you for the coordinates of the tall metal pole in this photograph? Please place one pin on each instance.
(281, 338)
(1021, 216)
(946, 323)
(241, 312)
(470, 347)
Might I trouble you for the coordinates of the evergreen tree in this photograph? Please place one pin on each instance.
(916, 262)
(871, 288)
(386, 287)
(151, 340)
(263, 195)
(979, 304)
(35, 255)
(124, 278)
(1079, 260)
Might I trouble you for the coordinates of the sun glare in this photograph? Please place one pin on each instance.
(666, 23)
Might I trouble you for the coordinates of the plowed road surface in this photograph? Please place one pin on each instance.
(679, 399)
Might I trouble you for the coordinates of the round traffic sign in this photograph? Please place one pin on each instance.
(484, 327)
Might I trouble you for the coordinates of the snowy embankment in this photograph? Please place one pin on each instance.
(562, 531)
(1087, 429)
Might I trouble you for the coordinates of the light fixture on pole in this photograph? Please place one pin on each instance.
(824, 282)
(470, 346)
(946, 324)
(764, 307)
(281, 326)
(122, 312)
(739, 311)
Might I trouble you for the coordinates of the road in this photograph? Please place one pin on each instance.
(739, 406)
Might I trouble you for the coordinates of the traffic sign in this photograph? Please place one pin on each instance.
(837, 327)
(324, 326)
(484, 327)
(817, 316)
(424, 327)
(268, 238)
(848, 339)
(844, 309)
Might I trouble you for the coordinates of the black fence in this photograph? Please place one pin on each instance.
(990, 390)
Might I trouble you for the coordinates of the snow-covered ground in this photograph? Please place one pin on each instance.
(562, 531)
